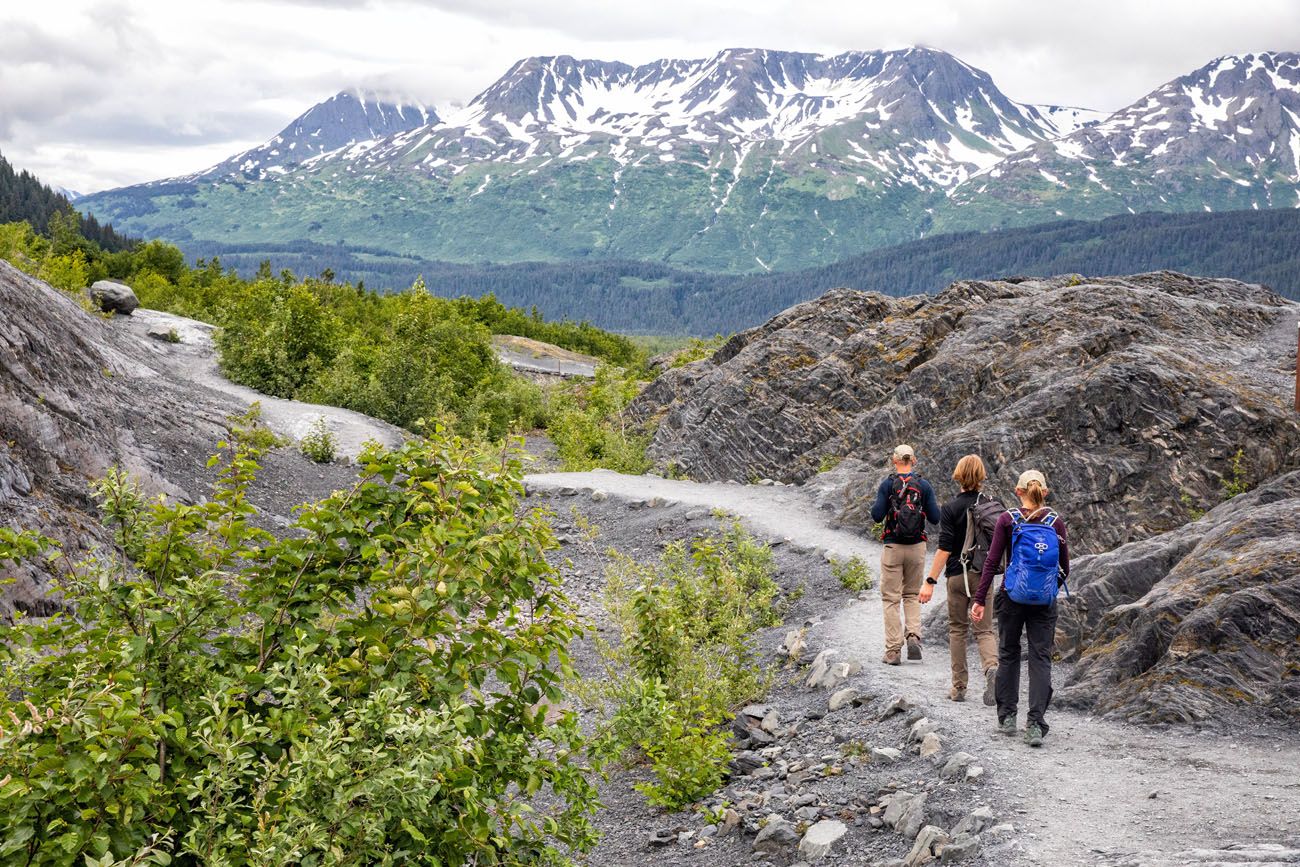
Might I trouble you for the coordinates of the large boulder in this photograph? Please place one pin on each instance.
(114, 297)
(1133, 394)
(1196, 624)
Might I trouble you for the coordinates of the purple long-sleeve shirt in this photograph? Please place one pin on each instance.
(1002, 542)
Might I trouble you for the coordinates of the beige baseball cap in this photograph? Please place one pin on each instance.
(903, 452)
(1030, 476)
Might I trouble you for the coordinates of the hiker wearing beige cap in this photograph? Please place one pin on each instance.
(1038, 564)
(904, 501)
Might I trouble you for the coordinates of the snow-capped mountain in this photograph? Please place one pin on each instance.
(1226, 135)
(916, 116)
(749, 159)
(342, 120)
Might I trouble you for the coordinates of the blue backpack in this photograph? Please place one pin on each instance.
(1035, 562)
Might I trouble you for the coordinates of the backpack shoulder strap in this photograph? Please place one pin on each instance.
(1017, 517)
(1051, 518)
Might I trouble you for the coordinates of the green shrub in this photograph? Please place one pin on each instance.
(67, 272)
(589, 429)
(319, 444)
(686, 658)
(698, 350)
(853, 574)
(1236, 483)
(249, 432)
(371, 689)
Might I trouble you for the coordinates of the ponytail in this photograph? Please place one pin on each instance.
(1035, 492)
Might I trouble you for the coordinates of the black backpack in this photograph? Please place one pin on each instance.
(906, 518)
(981, 518)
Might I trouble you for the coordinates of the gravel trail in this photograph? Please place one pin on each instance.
(1100, 791)
(194, 359)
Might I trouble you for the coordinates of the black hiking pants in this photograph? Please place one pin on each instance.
(1038, 622)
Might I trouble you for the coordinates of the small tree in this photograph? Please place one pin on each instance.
(378, 688)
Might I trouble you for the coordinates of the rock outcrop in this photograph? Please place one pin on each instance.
(1196, 623)
(1133, 394)
(80, 393)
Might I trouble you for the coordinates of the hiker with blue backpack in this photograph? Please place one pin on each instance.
(904, 502)
(1038, 564)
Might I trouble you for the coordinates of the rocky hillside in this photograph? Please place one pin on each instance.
(1133, 394)
(78, 394)
(1194, 623)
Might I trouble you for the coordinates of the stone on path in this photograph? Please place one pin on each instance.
(817, 842)
(844, 697)
(931, 745)
(956, 767)
(928, 840)
(114, 297)
(775, 836)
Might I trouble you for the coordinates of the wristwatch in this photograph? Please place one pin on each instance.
(930, 579)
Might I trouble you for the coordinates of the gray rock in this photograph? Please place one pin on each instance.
(897, 704)
(931, 745)
(975, 822)
(818, 840)
(771, 722)
(885, 754)
(599, 496)
(929, 840)
(776, 836)
(842, 698)
(920, 729)
(663, 837)
(795, 643)
(114, 297)
(956, 766)
(807, 814)
(905, 812)
(959, 849)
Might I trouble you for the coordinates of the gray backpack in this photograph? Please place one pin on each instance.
(981, 518)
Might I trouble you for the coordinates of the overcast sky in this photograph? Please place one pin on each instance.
(101, 93)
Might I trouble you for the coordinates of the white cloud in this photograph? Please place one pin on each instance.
(99, 94)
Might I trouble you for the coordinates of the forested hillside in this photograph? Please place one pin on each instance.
(24, 197)
(643, 297)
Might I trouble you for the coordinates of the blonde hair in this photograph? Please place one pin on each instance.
(1035, 492)
(970, 473)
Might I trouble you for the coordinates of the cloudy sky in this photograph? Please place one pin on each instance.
(100, 93)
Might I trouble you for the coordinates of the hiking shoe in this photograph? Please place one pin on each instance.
(913, 647)
(990, 686)
(892, 657)
(1034, 735)
(1007, 726)
(957, 693)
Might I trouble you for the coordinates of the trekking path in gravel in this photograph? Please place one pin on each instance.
(194, 359)
(1098, 792)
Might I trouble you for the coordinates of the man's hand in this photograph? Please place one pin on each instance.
(977, 612)
(927, 592)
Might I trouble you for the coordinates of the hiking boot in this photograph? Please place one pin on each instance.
(913, 647)
(957, 693)
(1007, 726)
(1034, 735)
(892, 657)
(990, 686)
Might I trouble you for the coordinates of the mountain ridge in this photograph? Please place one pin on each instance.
(750, 160)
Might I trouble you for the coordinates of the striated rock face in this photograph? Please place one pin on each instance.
(1196, 622)
(78, 394)
(1133, 394)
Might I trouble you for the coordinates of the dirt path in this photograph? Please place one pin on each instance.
(1099, 792)
(194, 359)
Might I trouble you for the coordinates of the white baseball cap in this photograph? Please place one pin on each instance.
(1030, 476)
(903, 451)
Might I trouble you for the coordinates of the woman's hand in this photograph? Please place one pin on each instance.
(926, 593)
(977, 612)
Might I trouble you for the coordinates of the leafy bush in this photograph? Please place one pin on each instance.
(372, 689)
(588, 427)
(319, 444)
(853, 574)
(698, 350)
(686, 658)
(1236, 483)
(250, 433)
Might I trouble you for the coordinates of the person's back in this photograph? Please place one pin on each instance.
(904, 502)
(952, 560)
(1026, 603)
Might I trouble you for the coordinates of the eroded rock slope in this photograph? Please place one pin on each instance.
(1134, 395)
(1196, 623)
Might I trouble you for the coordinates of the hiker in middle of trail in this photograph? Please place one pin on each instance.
(965, 535)
(904, 501)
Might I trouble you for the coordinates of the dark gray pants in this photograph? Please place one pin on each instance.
(1038, 622)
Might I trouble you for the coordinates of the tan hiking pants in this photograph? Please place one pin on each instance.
(959, 623)
(901, 569)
